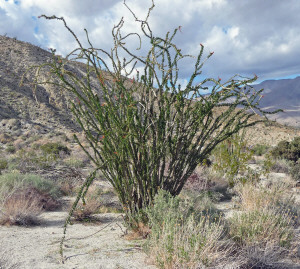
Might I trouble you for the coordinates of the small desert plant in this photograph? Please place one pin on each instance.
(74, 162)
(10, 148)
(295, 171)
(178, 239)
(260, 149)
(230, 158)
(281, 166)
(20, 209)
(54, 149)
(88, 207)
(262, 226)
(3, 164)
(269, 196)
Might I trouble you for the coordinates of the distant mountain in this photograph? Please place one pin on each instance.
(284, 94)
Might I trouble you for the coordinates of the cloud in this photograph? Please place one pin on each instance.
(247, 37)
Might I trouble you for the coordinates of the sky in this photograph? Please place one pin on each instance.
(247, 37)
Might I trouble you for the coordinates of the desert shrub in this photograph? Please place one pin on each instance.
(74, 162)
(20, 209)
(281, 166)
(260, 149)
(288, 150)
(10, 148)
(5, 138)
(3, 164)
(254, 197)
(178, 239)
(54, 149)
(268, 256)
(295, 171)
(230, 158)
(15, 180)
(33, 159)
(143, 137)
(91, 205)
(262, 226)
(267, 217)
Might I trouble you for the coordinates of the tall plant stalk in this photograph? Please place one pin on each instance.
(147, 132)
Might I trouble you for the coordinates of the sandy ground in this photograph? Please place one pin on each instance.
(98, 245)
(38, 247)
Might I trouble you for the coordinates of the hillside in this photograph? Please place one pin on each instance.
(284, 94)
(47, 109)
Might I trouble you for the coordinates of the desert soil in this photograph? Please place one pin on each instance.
(99, 245)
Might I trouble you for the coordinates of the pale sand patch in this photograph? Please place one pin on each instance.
(38, 247)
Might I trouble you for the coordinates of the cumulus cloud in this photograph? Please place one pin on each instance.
(247, 37)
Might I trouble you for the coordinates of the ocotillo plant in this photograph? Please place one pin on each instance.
(147, 132)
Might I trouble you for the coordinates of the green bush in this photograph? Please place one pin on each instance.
(295, 171)
(3, 164)
(260, 149)
(15, 180)
(288, 150)
(54, 149)
(10, 148)
(231, 157)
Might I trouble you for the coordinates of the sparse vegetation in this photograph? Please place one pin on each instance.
(147, 142)
(14, 180)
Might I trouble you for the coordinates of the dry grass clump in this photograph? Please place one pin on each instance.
(180, 238)
(24, 196)
(253, 197)
(19, 208)
(262, 226)
(85, 211)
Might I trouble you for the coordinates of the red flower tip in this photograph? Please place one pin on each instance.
(220, 79)
(201, 45)
(115, 152)
(179, 28)
(212, 53)
(102, 137)
(262, 96)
